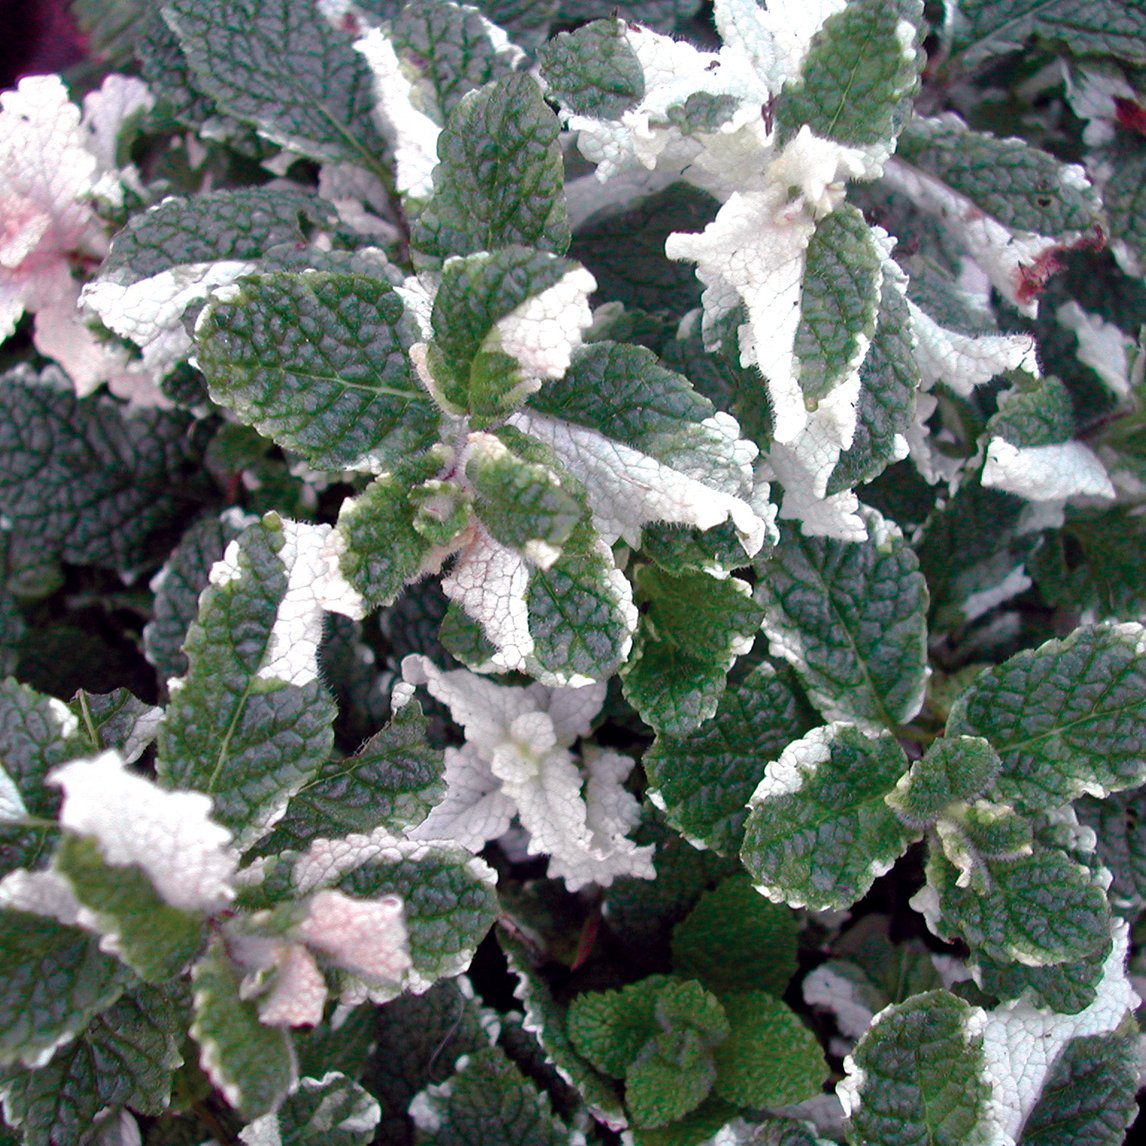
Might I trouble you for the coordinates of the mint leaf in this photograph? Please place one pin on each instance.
(154, 939)
(705, 778)
(1124, 200)
(769, 1058)
(486, 366)
(851, 620)
(318, 362)
(284, 68)
(609, 1027)
(1117, 821)
(392, 781)
(384, 548)
(212, 227)
(1065, 988)
(332, 1109)
(672, 1077)
(861, 68)
(94, 484)
(889, 381)
(693, 628)
(984, 28)
(1023, 187)
(917, 1075)
(1088, 1095)
(1040, 908)
(251, 722)
(735, 940)
(252, 1064)
(953, 769)
(125, 1057)
(55, 981)
(819, 831)
(1033, 413)
(593, 71)
(489, 1099)
(500, 180)
(450, 46)
(843, 273)
(1068, 717)
(448, 902)
(177, 587)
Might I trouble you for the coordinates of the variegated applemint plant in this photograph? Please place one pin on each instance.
(574, 575)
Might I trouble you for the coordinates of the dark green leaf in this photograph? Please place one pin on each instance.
(500, 179)
(593, 71)
(318, 362)
(953, 769)
(283, 67)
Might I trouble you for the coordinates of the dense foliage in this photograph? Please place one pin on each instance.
(574, 575)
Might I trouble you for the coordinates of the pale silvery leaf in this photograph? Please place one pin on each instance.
(42, 893)
(118, 99)
(12, 808)
(754, 252)
(644, 137)
(170, 835)
(545, 329)
(365, 937)
(1021, 1042)
(475, 808)
(1046, 473)
(628, 489)
(150, 312)
(51, 166)
(412, 133)
(1017, 262)
(963, 361)
(297, 996)
(521, 738)
(359, 198)
(1101, 345)
(775, 38)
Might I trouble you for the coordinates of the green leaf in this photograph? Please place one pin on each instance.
(1088, 1095)
(154, 939)
(985, 28)
(693, 627)
(608, 1028)
(500, 178)
(694, 1129)
(672, 1077)
(448, 900)
(177, 587)
(250, 741)
(449, 46)
(769, 1058)
(578, 611)
(214, 226)
(118, 720)
(547, 1018)
(419, 1038)
(252, 1064)
(843, 273)
(1065, 988)
(1039, 909)
(286, 69)
(593, 71)
(471, 369)
(625, 252)
(125, 1057)
(1023, 187)
(384, 548)
(332, 1109)
(819, 831)
(1033, 413)
(889, 381)
(705, 778)
(525, 505)
(735, 940)
(37, 733)
(392, 781)
(851, 620)
(1068, 717)
(55, 979)
(318, 362)
(96, 486)
(919, 1075)
(1124, 196)
(953, 769)
(858, 75)
(1118, 823)
(490, 1100)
